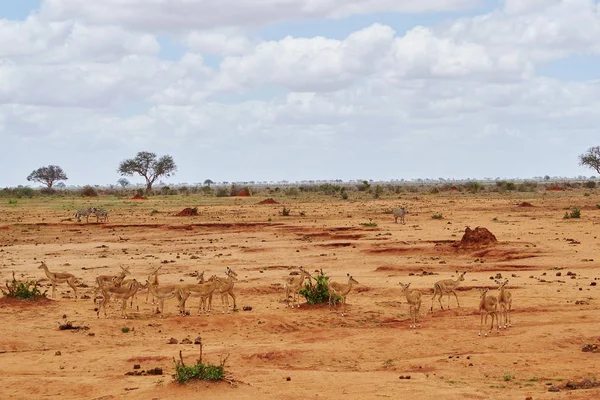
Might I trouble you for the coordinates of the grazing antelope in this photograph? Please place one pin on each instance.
(59, 277)
(162, 293)
(203, 290)
(400, 213)
(488, 306)
(294, 285)
(111, 289)
(413, 297)
(85, 213)
(505, 301)
(447, 286)
(225, 288)
(340, 289)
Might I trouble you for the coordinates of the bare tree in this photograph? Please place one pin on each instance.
(591, 158)
(147, 165)
(48, 175)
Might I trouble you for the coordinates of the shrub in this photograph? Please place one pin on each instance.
(286, 212)
(47, 191)
(575, 213)
(12, 202)
(319, 292)
(590, 184)
(369, 224)
(363, 186)
(209, 190)
(378, 191)
(125, 329)
(437, 216)
(510, 186)
(474, 187)
(89, 191)
(222, 192)
(22, 290)
(199, 371)
(292, 192)
(344, 194)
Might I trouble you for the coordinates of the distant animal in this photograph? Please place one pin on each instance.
(505, 301)
(413, 297)
(293, 285)
(447, 286)
(101, 215)
(342, 290)
(59, 277)
(400, 213)
(85, 213)
(488, 306)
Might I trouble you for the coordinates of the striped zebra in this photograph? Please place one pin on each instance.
(85, 213)
(101, 215)
(400, 213)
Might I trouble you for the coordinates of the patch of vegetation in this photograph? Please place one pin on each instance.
(508, 377)
(598, 206)
(24, 290)
(12, 202)
(363, 186)
(125, 329)
(378, 191)
(319, 292)
(437, 216)
(199, 371)
(89, 191)
(222, 192)
(590, 184)
(575, 213)
(344, 194)
(286, 211)
(369, 224)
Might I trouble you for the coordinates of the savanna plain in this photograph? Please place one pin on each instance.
(552, 265)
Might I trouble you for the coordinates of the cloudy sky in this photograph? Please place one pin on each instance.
(241, 90)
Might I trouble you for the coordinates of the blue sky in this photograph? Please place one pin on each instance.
(438, 88)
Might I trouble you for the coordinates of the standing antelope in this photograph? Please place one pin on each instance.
(488, 306)
(203, 290)
(225, 288)
(413, 297)
(340, 289)
(400, 213)
(447, 286)
(117, 280)
(294, 285)
(111, 289)
(59, 277)
(162, 293)
(505, 301)
(153, 279)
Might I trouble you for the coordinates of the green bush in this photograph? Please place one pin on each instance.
(510, 186)
(199, 371)
(319, 292)
(575, 213)
(125, 329)
(369, 224)
(22, 290)
(437, 216)
(344, 194)
(222, 192)
(378, 191)
(590, 184)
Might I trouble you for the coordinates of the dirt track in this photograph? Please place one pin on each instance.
(325, 355)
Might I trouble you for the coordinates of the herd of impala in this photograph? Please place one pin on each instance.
(119, 288)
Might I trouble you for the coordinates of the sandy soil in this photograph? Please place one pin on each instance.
(282, 353)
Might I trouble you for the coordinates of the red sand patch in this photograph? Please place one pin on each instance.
(4, 228)
(477, 237)
(525, 204)
(187, 212)
(139, 197)
(556, 188)
(268, 201)
(12, 302)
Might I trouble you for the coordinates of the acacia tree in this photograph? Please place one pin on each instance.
(123, 182)
(48, 175)
(147, 165)
(591, 158)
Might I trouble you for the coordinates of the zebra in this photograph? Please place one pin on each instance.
(400, 213)
(85, 213)
(101, 215)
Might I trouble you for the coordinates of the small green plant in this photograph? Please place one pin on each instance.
(286, 212)
(378, 191)
(199, 371)
(532, 379)
(598, 206)
(319, 292)
(437, 216)
(575, 213)
(344, 194)
(302, 214)
(12, 202)
(222, 192)
(495, 219)
(154, 212)
(125, 329)
(369, 224)
(24, 290)
(508, 377)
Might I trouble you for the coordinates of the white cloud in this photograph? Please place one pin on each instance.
(222, 42)
(165, 15)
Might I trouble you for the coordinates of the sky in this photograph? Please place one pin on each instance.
(270, 90)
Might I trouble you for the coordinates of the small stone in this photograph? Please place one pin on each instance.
(288, 378)
(198, 340)
(136, 366)
(58, 353)
(186, 341)
(593, 284)
(528, 398)
(553, 389)
(173, 341)
(558, 274)
(247, 308)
